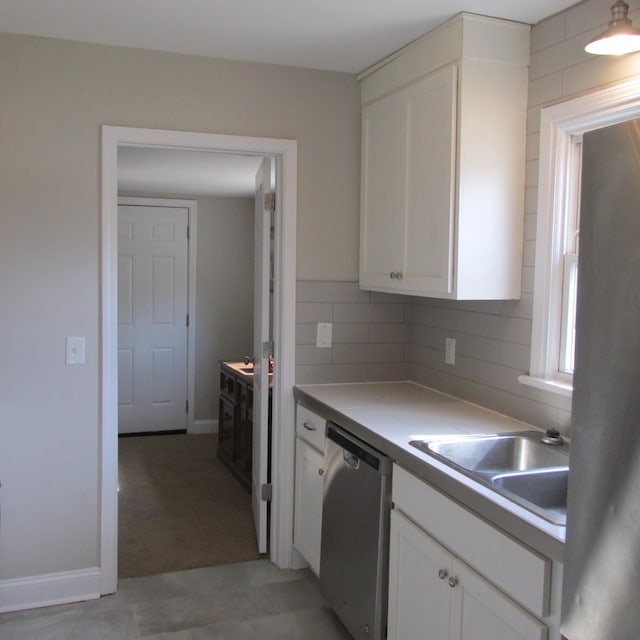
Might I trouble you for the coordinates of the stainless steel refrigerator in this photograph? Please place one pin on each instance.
(601, 594)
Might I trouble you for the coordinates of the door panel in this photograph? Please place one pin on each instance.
(152, 312)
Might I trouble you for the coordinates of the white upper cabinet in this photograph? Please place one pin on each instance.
(443, 153)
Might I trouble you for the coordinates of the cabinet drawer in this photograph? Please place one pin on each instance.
(310, 427)
(518, 570)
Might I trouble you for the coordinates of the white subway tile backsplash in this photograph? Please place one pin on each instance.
(545, 90)
(531, 173)
(515, 356)
(370, 313)
(316, 291)
(522, 308)
(530, 224)
(310, 354)
(548, 32)
(314, 312)
(528, 276)
(322, 374)
(599, 71)
(586, 16)
(397, 333)
(388, 372)
(368, 353)
(305, 333)
(345, 333)
(529, 253)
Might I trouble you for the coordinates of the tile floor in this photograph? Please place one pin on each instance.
(231, 602)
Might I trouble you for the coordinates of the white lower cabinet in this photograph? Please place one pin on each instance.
(435, 596)
(308, 503)
(309, 476)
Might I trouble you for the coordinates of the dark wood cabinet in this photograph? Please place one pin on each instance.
(235, 422)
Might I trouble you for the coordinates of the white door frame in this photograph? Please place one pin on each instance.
(285, 154)
(192, 208)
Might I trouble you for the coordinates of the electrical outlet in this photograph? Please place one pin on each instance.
(450, 350)
(75, 350)
(324, 334)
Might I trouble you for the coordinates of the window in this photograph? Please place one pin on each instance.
(557, 234)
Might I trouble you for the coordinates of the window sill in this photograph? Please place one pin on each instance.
(548, 384)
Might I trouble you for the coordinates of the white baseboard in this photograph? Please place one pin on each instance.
(49, 589)
(204, 426)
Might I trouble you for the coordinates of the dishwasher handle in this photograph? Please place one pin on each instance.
(356, 451)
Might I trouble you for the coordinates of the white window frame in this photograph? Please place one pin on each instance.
(558, 125)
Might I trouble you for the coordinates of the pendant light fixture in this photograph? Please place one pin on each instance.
(620, 37)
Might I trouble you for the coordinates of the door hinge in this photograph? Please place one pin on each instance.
(186, 406)
(188, 232)
(266, 492)
(270, 201)
(187, 319)
(267, 348)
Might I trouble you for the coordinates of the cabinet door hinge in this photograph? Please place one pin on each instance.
(188, 232)
(270, 201)
(187, 319)
(266, 492)
(186, 406)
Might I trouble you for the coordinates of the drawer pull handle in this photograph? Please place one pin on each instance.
(308, 426)
(453, 581)
(320, 472)
(442, 574)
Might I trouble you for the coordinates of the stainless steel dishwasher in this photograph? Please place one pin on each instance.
(355, 533)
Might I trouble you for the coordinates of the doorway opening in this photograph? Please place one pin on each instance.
(285, 154)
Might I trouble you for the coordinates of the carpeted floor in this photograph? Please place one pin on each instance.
(178, 507)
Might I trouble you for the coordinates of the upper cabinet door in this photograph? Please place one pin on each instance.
(430, 114)
(408, 175)
(382, 230)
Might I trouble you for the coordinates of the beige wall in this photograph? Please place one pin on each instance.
(493, 339)
(224, 295)
(55, 97)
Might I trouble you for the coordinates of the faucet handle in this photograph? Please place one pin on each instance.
(552, 437)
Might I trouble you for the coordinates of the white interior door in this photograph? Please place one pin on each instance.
(261, 335)
(152, 318)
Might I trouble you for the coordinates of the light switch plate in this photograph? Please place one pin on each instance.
(450, 350)
(324, 334)
(75, 350)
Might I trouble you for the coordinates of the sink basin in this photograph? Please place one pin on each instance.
(516, 465)
(545, 489)
(490, 455)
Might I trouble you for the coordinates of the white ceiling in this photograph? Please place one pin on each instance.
(337, 35)
(142, 170)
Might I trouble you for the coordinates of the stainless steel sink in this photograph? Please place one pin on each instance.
(516, 465)
(545, 489)
(496, 454)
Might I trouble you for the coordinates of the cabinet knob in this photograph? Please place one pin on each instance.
(442, 574)
(395, 275)
(320, 472)
(308, 426)
(453, 581)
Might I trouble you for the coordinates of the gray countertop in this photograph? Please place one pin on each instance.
(388, 415)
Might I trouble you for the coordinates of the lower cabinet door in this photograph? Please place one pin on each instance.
(435, 596)
(308, 503)
(419, 598)
(482, 612)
